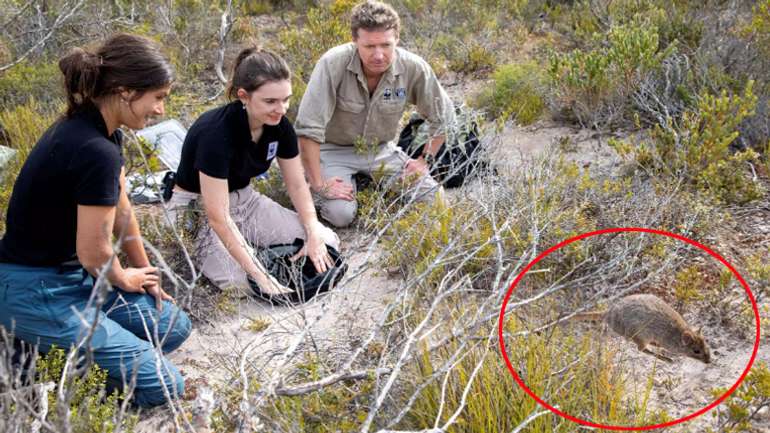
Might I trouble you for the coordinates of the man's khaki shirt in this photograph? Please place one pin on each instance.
(337, 108)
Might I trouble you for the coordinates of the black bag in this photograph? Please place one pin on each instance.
(167, 186)
(455, 163)
(299, 275)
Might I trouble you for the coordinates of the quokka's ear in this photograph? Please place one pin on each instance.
(688, 338)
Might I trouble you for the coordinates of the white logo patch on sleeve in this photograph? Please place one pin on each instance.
(272, 149)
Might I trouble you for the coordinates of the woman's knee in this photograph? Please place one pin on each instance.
(154, 390)
(179, 324)
(330, 238)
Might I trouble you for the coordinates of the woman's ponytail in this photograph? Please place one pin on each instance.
(122, 62)
(81, 75)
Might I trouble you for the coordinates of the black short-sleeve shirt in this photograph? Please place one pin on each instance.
(219, 145)
(74, 163)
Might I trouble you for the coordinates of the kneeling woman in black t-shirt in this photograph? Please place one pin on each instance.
(68, 202)
(223, 151)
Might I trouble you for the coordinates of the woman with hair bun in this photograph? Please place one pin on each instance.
(223, 151)
(68, 203)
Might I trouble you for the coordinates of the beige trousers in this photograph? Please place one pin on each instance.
(261, 221)
(344, 162)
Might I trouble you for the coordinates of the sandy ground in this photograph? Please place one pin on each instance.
(683, 387)
(337, 321)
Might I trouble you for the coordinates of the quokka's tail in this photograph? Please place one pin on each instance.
(589, 316)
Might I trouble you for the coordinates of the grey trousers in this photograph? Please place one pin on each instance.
(344, 162)
(261, 221)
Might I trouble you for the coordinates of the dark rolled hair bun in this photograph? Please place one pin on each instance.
(81, 75)
(122, 62)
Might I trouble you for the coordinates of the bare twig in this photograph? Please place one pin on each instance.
(70, 10)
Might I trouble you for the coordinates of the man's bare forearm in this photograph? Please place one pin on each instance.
(433, 146)
(310, 151)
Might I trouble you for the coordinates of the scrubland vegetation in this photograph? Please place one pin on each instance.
(678, 89)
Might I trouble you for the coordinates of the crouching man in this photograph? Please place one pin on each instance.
(350, 114)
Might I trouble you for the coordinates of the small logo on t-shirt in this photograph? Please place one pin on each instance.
(387, 94)
(401, 93)
(272, 149)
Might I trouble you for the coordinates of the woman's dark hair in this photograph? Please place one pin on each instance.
(122, 62)
(254, 67)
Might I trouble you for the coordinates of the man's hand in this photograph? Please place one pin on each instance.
(415, 167)
(335, 188)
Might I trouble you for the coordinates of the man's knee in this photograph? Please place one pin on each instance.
(339, 213)
(427, 190)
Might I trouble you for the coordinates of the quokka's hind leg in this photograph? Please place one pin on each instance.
(642, 346)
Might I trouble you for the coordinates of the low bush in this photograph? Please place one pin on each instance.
(740, 412)
(516, 93)
(595, 85)
(84, 406)
(26, 81)
(697, 149)
(338, 408)
(565, 370)
(324, 27)
(464, 54)
(91, 409)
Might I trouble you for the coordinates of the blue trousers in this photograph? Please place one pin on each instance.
(48, 306)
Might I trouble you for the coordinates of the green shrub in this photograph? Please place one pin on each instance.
(426, 239)
(256, 7)
(576, 21)
(187, 107)
(739, 412)
(464, 54)
(462, 37)
(596, 84)
(516, 92)
(274, 187)
(90, 409)
(676, 20)
(697, 149)
(688, 284)
(5, 52)
(416, 241)
(339, 408)
(26, 81)
(324, 28)
(594, 388)
(758, 29)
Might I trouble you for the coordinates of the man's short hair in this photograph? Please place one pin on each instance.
(374, 16)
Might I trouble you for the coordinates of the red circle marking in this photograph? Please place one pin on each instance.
(637, 230)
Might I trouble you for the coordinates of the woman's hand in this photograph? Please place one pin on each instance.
(315, 250)
(136, 279)
(270, 286)
(145, 281)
